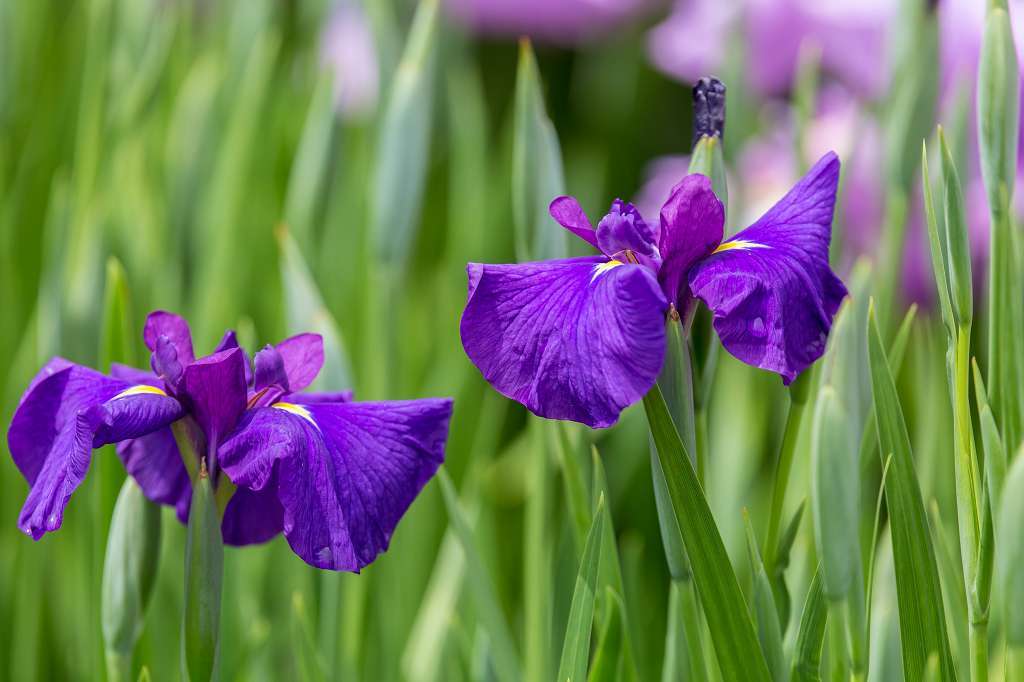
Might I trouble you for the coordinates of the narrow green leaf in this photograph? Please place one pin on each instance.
(308, 178)
(537, 175)
(995, 452)
(537, 551)
(957, 240)
(403, 142)
(835, 496)
(765, 615)
(998, 129)
(305, 311)
(810, 634)
(310, 667)
(119, 334)
(1011, 554)
(733, 634)
(937, 247)
(922, 620)
(204, 572)
(576, 495)
(576, 647)
(129, 572)
(609, 650)
(484, 595)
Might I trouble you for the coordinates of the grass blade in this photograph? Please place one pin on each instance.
(739, 654)
(811, 633)
(765, 614)
(922, 618)
(576, 647)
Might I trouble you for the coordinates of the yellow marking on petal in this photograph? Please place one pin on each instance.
(297, 410)
(141, 389)
(602, 268)
(739, 244)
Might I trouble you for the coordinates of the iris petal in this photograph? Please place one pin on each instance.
(175, 328)
(215, 391)
(692, 221)
(303, 356)
(345, 476)
(568, 213)
(771, 289)
(569, 339)
(60, 420)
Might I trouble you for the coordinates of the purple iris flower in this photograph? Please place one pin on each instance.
(335, 476)
(583, 338)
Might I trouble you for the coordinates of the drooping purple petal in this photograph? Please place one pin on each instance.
(303, 356)
(215, 391)
(133, 375)
(577, 339)
(692, 221)
(175, 328)
(770, 287)
(568, 213)
(252, 516)
(624, 229)
(155, 463)
(61, 419)
(344, 473)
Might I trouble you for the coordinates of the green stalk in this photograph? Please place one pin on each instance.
(794, 420)
(967, 501)
(204, 575)
(689, 607)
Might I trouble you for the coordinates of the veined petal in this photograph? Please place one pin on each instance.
(770, 287)
(175, 328)
(624, 229)
(269, 370)
(215, 390)
(155, 463)
(568, 213)
(58, 423)
(303, 356)
(343, 473)
(575, 339)
(252, 516)
(692, 221)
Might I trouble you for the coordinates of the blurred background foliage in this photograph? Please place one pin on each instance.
(277, 166)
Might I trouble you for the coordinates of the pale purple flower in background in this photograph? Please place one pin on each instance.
(852, 36)
(348, 49)
(556, 21)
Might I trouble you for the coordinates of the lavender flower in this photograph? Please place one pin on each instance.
(349, 50)
(335, 476)
(583, 338)
(851, 35)
(562, 22)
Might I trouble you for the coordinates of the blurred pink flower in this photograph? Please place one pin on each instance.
(852, 36)
(554, 21)
(348, 49)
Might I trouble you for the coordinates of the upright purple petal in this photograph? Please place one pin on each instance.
(770, 287)
(692, 221)
(303, 356)
(577, 339)
(215, 391)
(568, 213)
(175, 328)
(269, 370)
(624, 229)
(344, 473)
(58, 423)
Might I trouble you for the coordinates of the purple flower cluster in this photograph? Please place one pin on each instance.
(334, 476)
(583, 338)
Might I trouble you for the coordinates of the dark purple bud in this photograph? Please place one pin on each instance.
(708, 108)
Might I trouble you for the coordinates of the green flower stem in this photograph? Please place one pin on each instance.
(968, 508)
(798, 406)
(692, 628)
